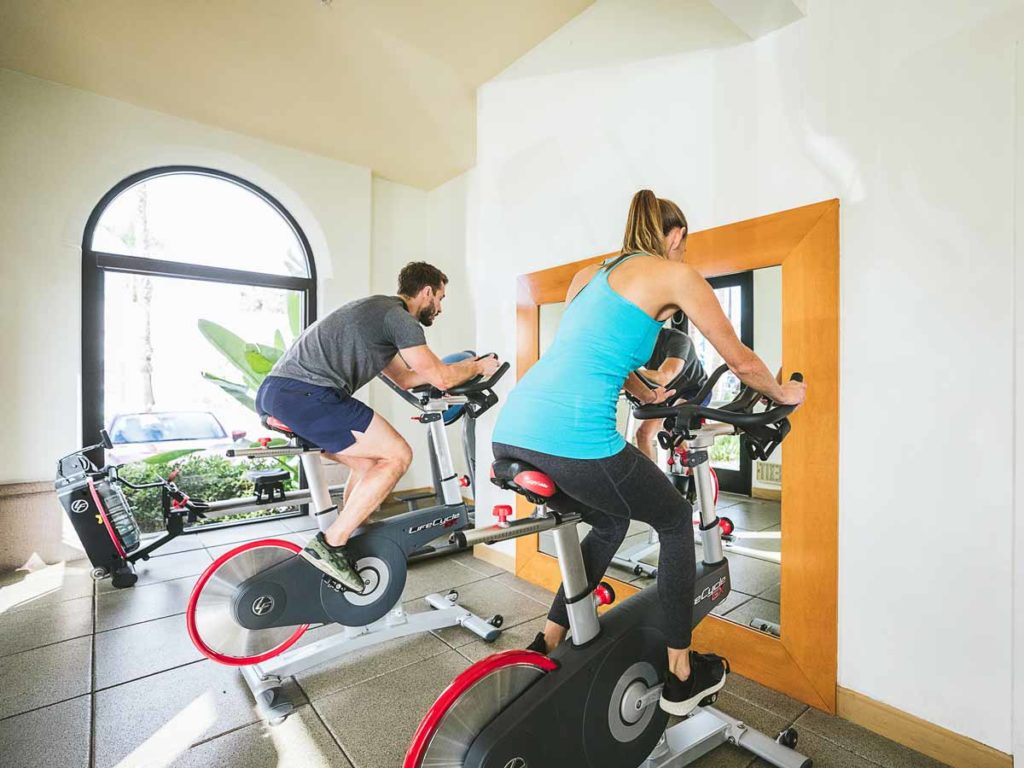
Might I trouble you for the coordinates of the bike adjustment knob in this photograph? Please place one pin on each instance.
(464, 481)
(604, 593)
(265, 441)
(503, 512)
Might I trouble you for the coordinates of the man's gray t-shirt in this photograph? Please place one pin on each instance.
(350, 346)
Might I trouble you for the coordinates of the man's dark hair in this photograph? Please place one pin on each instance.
(416, 275)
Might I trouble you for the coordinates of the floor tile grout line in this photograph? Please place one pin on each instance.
(330, 732)
(44, 706)
(216, 736)
(765, 709)
(305, 693)
(47, 645)
(335, 739)
(106, 688)
(139, 623)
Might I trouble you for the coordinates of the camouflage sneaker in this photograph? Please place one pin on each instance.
(333, 561)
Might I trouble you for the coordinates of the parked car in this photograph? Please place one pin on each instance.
(137, 436)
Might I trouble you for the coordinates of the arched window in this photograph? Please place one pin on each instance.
(193, 283)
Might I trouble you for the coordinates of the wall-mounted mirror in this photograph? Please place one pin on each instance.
(777, 280)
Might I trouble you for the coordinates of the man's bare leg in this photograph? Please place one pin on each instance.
(357, 469)
(388, 457)
(646, 438)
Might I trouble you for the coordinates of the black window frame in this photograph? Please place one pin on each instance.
(95, 265)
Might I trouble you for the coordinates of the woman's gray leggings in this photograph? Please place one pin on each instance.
(608, 493)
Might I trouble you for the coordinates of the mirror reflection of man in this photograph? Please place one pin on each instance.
(673, 365)
(311, 390)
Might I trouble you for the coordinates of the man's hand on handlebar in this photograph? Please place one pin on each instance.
(487, 365)
(658, 395)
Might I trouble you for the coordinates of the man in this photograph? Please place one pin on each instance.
(311, 390)
(675, 366)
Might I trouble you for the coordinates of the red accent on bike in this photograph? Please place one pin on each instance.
(464, 481)
(265, 441)
(726, 525)
(106, 520)
(190, 612)
(474, 674)
(536, 482)
(503, 512)
(604, 593)
(279, 425)
(492, 472)
(714, 478)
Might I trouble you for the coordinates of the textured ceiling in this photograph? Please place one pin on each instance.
(381, 83)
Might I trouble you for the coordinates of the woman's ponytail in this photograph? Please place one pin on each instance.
(649, 221)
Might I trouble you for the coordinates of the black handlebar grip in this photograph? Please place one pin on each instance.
(105, 439)
(797, 377)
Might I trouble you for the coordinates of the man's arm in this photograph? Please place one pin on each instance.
(667, 371)
(419, 365)
(645, 394)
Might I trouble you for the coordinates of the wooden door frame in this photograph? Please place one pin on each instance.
(805, 242)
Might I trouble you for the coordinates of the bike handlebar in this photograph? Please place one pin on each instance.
(478, 383)
(742, 419)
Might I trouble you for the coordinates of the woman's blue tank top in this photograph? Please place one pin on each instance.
(565, 404)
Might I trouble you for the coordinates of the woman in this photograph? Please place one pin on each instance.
(561, 419)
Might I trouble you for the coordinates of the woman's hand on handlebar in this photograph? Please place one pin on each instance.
(793, 393)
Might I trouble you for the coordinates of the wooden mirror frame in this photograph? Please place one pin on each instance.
(805, 242)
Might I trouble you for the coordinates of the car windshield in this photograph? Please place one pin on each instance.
(161, 427)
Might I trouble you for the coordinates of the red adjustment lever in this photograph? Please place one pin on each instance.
(464, 481)
(726, 525)
(264, 441)
(503, 512)
(604, 593)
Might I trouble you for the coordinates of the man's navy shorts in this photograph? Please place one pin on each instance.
(323, 416)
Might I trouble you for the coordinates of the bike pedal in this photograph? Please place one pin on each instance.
(334, 584)
(707, 701)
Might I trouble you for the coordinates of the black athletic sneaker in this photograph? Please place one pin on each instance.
(707, 676)
(333, 561)
(538, 644)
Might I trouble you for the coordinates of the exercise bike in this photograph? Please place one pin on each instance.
(457, 414)
(594, 702)
(254, 602)
(106, 524)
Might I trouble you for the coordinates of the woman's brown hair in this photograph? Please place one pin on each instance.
(649, 221)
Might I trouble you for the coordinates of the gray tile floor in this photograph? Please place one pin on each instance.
(99, 677)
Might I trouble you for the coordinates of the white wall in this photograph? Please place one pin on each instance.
(905, 112)
(1018, 354)
(61, 149)
(413, 225)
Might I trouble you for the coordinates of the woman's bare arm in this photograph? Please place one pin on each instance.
(696, 298)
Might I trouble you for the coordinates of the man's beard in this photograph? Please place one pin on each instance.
(426, 316)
